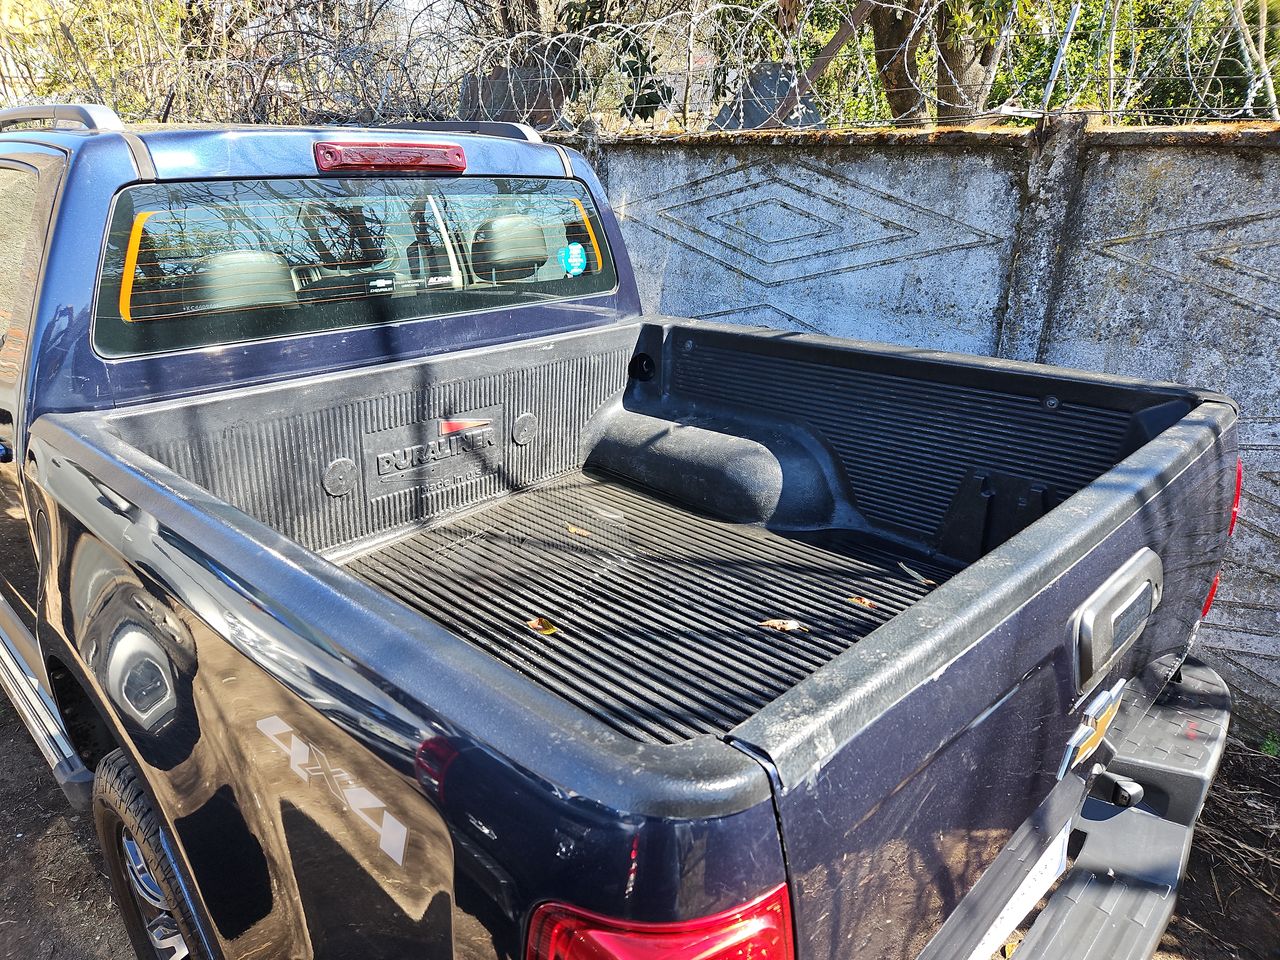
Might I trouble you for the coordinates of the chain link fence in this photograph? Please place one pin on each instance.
(614, 68)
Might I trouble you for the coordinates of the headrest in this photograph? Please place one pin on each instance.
(508, 248)
(235, 279)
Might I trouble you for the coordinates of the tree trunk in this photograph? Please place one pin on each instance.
(898, 32)
(962, 69)
(526, 16)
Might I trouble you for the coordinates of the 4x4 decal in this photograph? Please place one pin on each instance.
(311, 765)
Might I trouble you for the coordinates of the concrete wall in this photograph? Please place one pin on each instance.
(1152, 253)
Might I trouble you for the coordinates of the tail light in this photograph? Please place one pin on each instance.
(336, 157)
(432, 762)
(1231, 528)
(760, 930)
(1235, 504)
(1213, 592)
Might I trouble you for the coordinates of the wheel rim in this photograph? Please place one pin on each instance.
(151, 903)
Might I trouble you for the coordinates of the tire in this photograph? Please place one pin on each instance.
(143, 880)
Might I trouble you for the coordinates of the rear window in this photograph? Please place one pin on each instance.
(195, 264)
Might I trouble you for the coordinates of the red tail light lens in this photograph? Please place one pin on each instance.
(432, 763)
(760, 930)
(1235, 504)
(1213, 592)
(336, 157)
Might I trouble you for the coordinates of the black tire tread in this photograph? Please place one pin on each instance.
(118, 793)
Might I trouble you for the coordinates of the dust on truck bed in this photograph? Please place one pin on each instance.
(649, 616)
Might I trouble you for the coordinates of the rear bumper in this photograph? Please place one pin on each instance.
(1118, 897)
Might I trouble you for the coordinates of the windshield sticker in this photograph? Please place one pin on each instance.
(574, 259)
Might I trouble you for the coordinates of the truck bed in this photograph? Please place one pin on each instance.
(647, 615)
(631, 517)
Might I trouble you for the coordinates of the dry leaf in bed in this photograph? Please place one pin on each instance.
(918, 577)
(786, 626)
(541, 625)
(578, 531)
(863, 602)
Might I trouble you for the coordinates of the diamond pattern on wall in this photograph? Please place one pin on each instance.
(774, 222)
(773, 229)
(771, 223)
(761, 315)
(1240, 255)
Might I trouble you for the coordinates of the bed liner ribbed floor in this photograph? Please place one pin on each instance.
(646, 615)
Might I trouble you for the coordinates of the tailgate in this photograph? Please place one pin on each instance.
(903, 768)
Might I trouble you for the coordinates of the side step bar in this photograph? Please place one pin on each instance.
(38, 712)
(1119, 896)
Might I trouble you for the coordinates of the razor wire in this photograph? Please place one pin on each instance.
(610, 68)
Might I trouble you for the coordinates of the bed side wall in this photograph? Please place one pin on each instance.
(337, 461)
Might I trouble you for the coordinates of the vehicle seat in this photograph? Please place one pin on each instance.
(239, 279)
(511, 247)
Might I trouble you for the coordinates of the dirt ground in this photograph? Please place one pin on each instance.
(1229, 905)
(55, 903)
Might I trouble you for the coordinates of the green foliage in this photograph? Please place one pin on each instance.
(1151, 61)
(109, 49)
(1146, 61)
(1235, 79)
(647, 93)
(983, 19)
(1271, 745)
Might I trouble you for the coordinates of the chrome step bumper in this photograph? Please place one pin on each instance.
(1119, 896)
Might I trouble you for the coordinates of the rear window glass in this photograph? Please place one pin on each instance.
(194, 264)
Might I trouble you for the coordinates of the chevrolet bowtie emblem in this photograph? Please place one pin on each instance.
(1098, 716)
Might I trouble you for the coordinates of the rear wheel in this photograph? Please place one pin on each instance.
(143, 878)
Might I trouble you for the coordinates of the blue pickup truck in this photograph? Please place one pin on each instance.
(388, 585)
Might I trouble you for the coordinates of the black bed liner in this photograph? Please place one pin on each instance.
(651, 615)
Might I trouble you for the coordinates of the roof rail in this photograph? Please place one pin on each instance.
(487, 128)
(95, 118)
